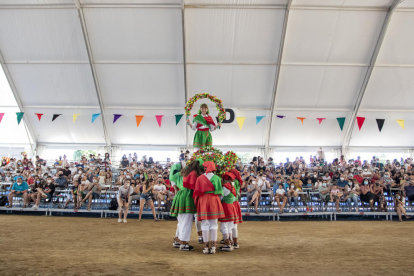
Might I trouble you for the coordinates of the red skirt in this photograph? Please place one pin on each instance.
(239, 218)
(229, 213)
(209, 207)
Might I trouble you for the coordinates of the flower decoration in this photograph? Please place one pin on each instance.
(219, 105)
(224, 163)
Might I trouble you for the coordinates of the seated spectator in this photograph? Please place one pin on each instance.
(108, 179)
(253, 193)
(351, 194)
(366, 173)
(61, 181)
(399, 206)
(293, 194)
(124, 162)
(83, 193)
(67, 172)
(324, 194)
(378, 191)
(409, 191)
(366, 194)
(327, 177)
(73, 195)
(37, 192)
(336, 195)
(280, 195)
(102, 178)
(19, 189)
(160, 192)
(49, 188)
(343, 181)
(18, 175)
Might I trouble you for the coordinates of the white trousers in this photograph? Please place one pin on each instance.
(197, 223)
(209, 224)
(185, 224)
(235, 231)
(226, 227)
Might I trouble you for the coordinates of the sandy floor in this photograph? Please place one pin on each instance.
(31, 245)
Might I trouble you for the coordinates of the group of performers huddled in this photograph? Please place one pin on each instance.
(203, 194)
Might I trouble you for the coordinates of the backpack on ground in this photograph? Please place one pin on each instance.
(3, 200)
(113, 205)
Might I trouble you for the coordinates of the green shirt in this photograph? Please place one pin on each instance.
(218, 189)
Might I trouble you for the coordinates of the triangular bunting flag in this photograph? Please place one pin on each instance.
(39, 116)
(94, 116)
(116, 117)
(341, 122)
(159, 119)
(301, 119)
(240, 122)
(139, 119)
(360, 121)
(280, 116)
(1, 116)
(19, 117)
(401, 123)
(75, 116)
(55, 116)
(178, 118)
(320, 120)
(380, 123)
(259, 118)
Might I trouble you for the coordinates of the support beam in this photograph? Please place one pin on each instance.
(279, 62)
(185, 65)
(348, 132)
(94, 75)
(31, 135)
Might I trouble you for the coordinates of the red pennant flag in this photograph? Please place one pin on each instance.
(301, 119)
(159, 119)
(320, 120)
(39, 116)
(360, 121)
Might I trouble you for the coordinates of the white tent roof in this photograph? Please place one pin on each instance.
(311, 58)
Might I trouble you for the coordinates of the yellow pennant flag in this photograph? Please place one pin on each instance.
(75, 116)
(240, 121)
(401, 122)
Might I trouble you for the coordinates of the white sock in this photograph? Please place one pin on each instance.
(235, 233)
(176, 232)
(230, 236)
(226, 236)
(213, 234)
(206, 236)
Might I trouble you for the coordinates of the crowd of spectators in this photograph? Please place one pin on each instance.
(145, 181)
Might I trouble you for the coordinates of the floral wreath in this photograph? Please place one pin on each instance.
(224, 163)
(219, 105)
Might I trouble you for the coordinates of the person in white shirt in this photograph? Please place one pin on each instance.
(160, 191)
(123, 195)
(327, 177)
(366, 173)
(280, 195)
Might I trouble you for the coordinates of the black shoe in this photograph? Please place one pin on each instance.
(200, 240)
(236, 245)
(222, 241)
(226, 248)
(186, 247)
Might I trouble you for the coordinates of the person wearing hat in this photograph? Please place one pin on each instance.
(209, 209)
(230, 214)
(203, 124)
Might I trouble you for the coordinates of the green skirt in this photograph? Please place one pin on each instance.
(202, 139)
(183, 203)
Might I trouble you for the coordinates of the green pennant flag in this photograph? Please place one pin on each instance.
(178, 118)
(19, 117)
(341, 122)
(200, 119)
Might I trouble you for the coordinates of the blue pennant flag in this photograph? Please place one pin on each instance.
(259, 118)
(94, 116)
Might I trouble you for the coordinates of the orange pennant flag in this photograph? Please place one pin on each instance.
(139, 119)
(301, 119)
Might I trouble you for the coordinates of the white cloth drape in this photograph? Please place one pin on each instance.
(40, 150)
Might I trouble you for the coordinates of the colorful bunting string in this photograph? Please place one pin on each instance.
(39, 116)
(301, 119)
(280, 116)
(139, 119)
(401, 123)
(75, 116)
(55, 116)
(1, 116)
(178, 118)
(240, 122)
(159, 119)
(320, 120)
(341, 122)
(94, 116)
(380, 123)
(19, 117)
(116, 117)
(360, 121)
(259, 118)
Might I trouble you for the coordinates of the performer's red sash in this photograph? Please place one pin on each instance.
(202, 185)
(231, 188)
(190, 180)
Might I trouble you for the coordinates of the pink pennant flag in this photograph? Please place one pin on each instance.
(159, 119)
(320, 120)
(1, 116)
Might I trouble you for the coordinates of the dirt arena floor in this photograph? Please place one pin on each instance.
(38, 245)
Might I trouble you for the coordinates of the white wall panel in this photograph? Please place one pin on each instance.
(125, 130)
(343, 3)
(11, 132)
(130, 1)
(233, 34)
(332, 36)
(54, 84)
(406, 4)
(392, 135)
(289, 131)
(398, 44)
(235, 85)
(41, 34)
(236, 2)
(135, 34)
(142, 84)
(319, 86)
(34, 2)
(63, 129)
(390, 88)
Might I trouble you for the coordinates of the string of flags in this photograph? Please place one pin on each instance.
(240, 120)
